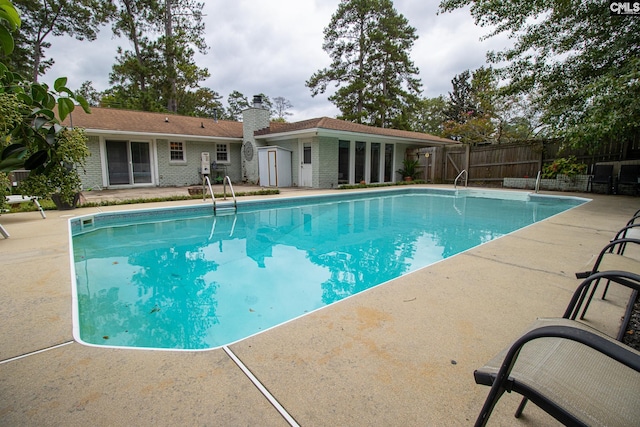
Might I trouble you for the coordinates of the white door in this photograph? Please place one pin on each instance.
(273, 168)
(305, 166)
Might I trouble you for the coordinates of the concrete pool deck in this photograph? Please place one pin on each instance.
(399, 354)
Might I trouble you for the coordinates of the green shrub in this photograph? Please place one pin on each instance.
(564, 166)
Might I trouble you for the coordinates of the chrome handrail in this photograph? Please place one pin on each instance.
(538, 181)
(224, 184)
(466, 178)
(204, 193)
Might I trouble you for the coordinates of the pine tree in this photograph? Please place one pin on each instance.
(369, 43)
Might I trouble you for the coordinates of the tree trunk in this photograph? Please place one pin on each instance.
(172, 104)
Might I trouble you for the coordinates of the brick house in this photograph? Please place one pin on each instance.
(134, 148)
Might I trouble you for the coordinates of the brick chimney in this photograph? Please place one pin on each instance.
(253, 118)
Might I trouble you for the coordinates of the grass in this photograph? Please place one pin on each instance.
(47, 204)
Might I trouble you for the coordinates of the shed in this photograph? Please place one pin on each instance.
(274, 165)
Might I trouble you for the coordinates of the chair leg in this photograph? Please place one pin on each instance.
(523, 403)
(44, 216)
(606, 288)
(4, 232)
(593, 291)
(494, 395)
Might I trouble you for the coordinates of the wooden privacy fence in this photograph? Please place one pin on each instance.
(489, 164)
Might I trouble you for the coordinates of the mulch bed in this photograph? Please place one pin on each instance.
(632, 337)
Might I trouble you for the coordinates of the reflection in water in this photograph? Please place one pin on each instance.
(205, 282)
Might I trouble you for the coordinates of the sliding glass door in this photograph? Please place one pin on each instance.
(128, 162)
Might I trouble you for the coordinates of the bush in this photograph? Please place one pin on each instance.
(564, 166)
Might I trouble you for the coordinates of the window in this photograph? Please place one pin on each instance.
(222, 153)
(361, 151)
(344, 147)
(176, 152)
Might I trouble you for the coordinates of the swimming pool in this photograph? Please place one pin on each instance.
(182, 278)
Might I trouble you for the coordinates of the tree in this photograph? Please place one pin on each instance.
(280, 107)
(88, 92)
(160, 70)
(580, 65)
(202, 102)
(236, 102)
(429, 116)
(44, 18)
(369, 43)
(31, 135)
(460, 104)
(469, 111)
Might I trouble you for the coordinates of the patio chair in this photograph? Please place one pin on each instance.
(611, 257)
(602, 174)
(13, 200)
(629, 176)
(16, 199)
(573, 372)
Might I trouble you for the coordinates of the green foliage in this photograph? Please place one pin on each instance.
(564, 166)
(202, 102)
(31, 135)
(9, 22)
(580, 65)
(409, 168)
(369, 43)
(237, 102)
(428, 116)
(60, 174)
(159, 73)
(88, 92)
(42, 20)
(5, 190)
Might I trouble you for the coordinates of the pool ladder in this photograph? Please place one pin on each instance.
(226, 207)
(466, 178)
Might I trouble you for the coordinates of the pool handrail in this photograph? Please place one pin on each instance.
(224, 189)
(204, 193)
(466, 178)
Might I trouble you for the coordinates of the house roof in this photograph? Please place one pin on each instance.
(326, 123)
(110, 120)
(118, 121)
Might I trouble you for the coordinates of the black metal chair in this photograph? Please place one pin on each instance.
(576, 374)
(602, 174)
(629, 176)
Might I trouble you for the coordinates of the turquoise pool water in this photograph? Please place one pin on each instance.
(182, 278)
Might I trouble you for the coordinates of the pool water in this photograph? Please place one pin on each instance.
(202, 281)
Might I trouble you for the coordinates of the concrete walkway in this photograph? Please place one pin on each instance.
(399, 354)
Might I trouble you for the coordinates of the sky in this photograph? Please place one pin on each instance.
(275, 46)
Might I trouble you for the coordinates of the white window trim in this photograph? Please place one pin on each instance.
(215, 156)
(184, 153)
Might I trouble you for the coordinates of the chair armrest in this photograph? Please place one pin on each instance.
(620, 243)
(564, 329)
(622, 233)
(553, 353)
(624, 278)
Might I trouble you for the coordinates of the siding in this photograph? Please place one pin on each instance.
(183, 174)
(92, 176)
(327, 174)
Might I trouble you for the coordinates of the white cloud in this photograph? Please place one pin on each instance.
(274, 46)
